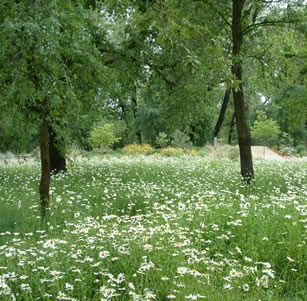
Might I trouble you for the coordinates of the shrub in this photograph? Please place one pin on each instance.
(162, 140)
(265, 128)
(171, 151)
(300, 149)
(191, 152)
(288, 150)
(286, 140)
(143, 149)
(103, 136)
(181, 140)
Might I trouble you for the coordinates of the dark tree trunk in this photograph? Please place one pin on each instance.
(45, 166)
(244, 139)
(134, 110)
(57, 158)
(232, 124)
(221, 118)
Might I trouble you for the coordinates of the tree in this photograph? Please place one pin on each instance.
(50, 65)
(265, 128)
(244, 139)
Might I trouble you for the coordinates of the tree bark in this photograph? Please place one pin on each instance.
(232, 124)
(221, 117)
(134, 110)
(244, 138)
(45, 166)
(57, 159)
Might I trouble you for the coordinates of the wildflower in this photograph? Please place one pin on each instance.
(49, 244)
(147, 247)
(182, 270)
(62, 296)
(171, 297)
(258, 281)
(69, 287)
(195, 297)
(104, 254)
(233, 273)
(269, 272)
(131, 285)
(164, 278)
(149, 295)
(247, 259)
(245, 287)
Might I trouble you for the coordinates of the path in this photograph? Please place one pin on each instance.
(264, 152)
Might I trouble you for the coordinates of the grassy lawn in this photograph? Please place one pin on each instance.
(155, 228)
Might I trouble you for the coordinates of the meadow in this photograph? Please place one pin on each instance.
(155, 228)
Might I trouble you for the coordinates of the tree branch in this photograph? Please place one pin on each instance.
(267, 23)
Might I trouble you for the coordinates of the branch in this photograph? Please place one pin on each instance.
(267, 23)
(218, 12)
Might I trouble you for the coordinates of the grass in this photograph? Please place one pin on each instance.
(145, 228)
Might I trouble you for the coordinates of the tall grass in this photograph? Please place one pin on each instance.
(145, 228)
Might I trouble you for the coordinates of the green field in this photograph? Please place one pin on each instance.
(155, 228)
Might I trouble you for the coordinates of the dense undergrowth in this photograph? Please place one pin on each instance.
(155, 228)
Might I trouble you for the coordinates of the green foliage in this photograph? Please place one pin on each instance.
(288, 150)
(102, 136)
(181, 139)
(265, 128)
(162, 140)
(50, 62)
(286, 140)
(300, 149)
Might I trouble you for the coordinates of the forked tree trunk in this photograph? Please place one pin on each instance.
(221, 117)
(244, 138)
(57, 157)
(45, 166)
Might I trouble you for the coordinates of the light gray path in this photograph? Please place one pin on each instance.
(263, 152)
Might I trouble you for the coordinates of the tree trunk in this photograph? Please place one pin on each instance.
(232, 124)
(57, 159)
(45, 166)
(244, 138)
(134, 110)
(222, 113)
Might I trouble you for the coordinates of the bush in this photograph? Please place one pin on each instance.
(288, 150)
(286, 140)
(103, 136)
(143, 149)
(162, 140)
(171, 151)
(181, 140)
(265, 128)
(191, 152)
(300, 149)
